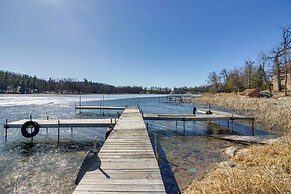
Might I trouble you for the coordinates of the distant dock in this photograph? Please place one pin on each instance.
(99, 108)
(191, 117)
(215, 116)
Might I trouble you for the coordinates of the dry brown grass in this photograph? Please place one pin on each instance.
(263, 169)
(271, 113)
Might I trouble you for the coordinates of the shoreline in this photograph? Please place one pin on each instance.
(270, 113)
(259, 168)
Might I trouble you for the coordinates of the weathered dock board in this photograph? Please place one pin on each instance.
(65, 123)
(197, 117)
(128, 163)
(244, 139)
(99, 107)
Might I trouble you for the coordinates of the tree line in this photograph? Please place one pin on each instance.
(15, 83)
(275, 63)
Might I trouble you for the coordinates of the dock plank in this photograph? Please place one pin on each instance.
(121, 188)
(100, 107)
(197, 117)
(243, 139)
(54, 123)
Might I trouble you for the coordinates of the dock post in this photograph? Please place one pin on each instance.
(30, 118)
(6, 127)
(47, 118)
(253, 128)
(80, 103)
(231, 123)
(58, 132)
(71, 130)
(147, 126)
(228, 124)
(157, 148)
(111, 123)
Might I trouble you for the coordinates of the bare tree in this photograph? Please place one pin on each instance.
(214, 81)
(224, 75)
(285, 48)
(276, 54)
(249, 72)
(263, 61)
(234, 82)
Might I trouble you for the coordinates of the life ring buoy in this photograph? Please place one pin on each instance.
(30, 125)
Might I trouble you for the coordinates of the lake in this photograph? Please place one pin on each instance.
(43, 167)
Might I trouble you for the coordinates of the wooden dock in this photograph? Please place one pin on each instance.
(127, 161)
(65, 123)
(244, 139)
(196, 117)
(216, 116)
(99, 108)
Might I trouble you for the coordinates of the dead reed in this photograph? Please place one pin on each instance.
(271, 113)
(262, 169)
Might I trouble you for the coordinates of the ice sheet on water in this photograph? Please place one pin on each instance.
(45, 99)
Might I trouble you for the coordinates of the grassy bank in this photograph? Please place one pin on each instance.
(271, 113)
(261, 169)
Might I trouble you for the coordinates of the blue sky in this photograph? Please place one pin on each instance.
(137, 42)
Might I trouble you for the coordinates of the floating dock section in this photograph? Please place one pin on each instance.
(216, 115)
(191, 117)
(99, 108)
(127, 161)
(65, 123)
(244, 139)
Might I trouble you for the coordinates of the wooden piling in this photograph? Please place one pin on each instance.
(6, 126)
(47, 118)
(58, 132)
(157, 148)
(253, 128)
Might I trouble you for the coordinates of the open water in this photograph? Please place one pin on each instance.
(43, 167)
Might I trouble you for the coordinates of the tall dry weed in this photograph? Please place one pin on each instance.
(263, 169)
(271, 113)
